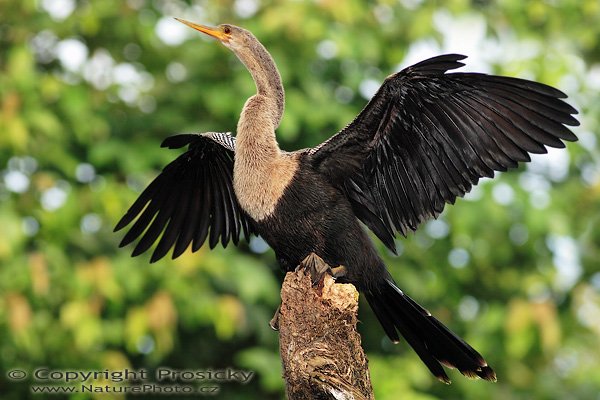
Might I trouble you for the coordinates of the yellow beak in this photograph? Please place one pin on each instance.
(214, 32)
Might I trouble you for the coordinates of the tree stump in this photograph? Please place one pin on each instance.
(318, 342)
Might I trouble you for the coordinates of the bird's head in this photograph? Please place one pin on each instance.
(254, 56)
(231, 36)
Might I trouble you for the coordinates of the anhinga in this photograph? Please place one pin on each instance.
(423, 140)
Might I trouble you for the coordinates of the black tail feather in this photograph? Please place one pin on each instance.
(435, 344)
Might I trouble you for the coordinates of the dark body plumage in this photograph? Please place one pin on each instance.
(303, 223)
(424, 139)
(315, 217)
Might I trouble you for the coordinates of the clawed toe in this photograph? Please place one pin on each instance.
(274, 322)
(339, 271)
(318, 268)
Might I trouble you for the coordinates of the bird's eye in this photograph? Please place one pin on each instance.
(227, 30)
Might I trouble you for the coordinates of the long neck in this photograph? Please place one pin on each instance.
(261, 171)
(261, 66)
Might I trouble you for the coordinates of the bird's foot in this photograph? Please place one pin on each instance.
(317, 268)
(274, 322)
(339, 271)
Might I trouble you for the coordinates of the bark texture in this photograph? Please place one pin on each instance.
(319, 345)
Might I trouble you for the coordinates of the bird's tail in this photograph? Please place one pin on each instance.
(435, 344)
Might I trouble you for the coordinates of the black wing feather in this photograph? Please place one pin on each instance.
(218, 224)
(206, 208)
(155, 199)
(187, 230)
(175, 226)
(226, 175)
(157, 225)
(191, 199)
(428, 136)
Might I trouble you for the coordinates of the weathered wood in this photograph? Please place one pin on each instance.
(319, 345)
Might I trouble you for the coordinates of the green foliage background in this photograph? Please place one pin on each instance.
(89, 89)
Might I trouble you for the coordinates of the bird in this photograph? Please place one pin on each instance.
(424, 139)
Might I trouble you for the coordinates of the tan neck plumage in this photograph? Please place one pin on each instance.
(261, 170)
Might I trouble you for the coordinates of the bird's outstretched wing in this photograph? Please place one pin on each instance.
(191, 200)
(427, 137)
